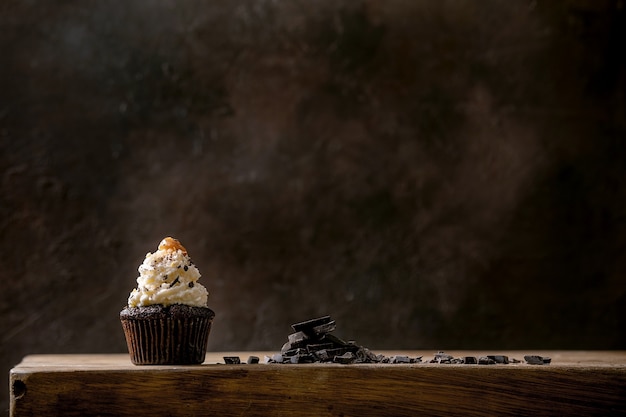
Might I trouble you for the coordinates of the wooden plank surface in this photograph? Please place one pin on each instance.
(575, 383)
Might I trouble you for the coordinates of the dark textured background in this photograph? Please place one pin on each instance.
(434, 174)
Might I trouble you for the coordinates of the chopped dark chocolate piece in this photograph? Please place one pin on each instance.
(499, 358)
(309, 324)
(441, 357)
(322, 355)
(537, 360)
(232, 360)
(252, 360)
(337, 352)
(277, 358)
(346, 358)
(333, 340)
(319, 346)
(322, 329)
(484, 360)
(297, 337)
(294, 352)
(336, 341)
(470, 360)
(306, 358)
(366, 355)
(399, 359)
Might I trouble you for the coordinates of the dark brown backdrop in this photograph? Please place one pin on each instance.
(434, 174)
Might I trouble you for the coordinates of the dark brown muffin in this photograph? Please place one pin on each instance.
(167, 335)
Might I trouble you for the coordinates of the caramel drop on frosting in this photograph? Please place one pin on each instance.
(169, 243)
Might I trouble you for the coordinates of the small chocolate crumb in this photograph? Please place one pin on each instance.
(186, 268)
(537, 360)
(191, 284)
(165, 277)
(176, 281)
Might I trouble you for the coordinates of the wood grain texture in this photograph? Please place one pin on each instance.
(576, 383)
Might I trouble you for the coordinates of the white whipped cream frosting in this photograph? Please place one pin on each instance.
(167, 277)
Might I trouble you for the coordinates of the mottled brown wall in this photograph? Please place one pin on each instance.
(434, 174)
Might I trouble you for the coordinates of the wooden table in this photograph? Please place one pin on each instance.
(575, 383)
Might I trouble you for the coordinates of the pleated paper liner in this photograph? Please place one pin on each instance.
(168, 337)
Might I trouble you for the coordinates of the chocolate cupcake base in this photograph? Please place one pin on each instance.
(167, 335)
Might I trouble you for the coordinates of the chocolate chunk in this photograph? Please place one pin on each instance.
(441, 357)
(537, 360)
(306, 358)
(322, 355)
(320, 330)
(470, 360)
(294, 352)
(337, 352)
(484, 360)
(297, 338)
(278, 358)
(399, 359)
(330, 338)
(367, 356)
(232, 360)
(319, 346)
(499, 358)
(346, 358)
(252, 360)
(309, 324)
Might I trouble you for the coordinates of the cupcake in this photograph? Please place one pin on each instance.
(167, 321)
